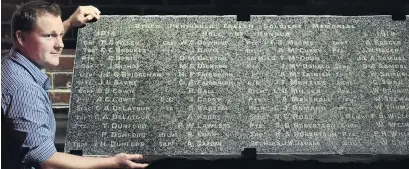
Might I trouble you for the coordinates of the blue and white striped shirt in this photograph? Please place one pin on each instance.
(28, 124)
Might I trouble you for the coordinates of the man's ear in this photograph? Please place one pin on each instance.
(20, 37)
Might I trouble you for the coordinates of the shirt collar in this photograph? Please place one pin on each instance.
(38, 74)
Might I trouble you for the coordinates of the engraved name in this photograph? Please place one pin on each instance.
(310, 99)
(309, 74)
(122, 108)
(208, 144)
(306, 134)
(210, 74)
(308, 108)
(391, 90)
(127, 135)
(291, 142)
(204, 125)
(211, 83)
(312, 125)
(115, 99)
(128, 126)
(199, 42)
(127, 144)
(332, 26)
(130, 117)
(209, 58)
(296, 82)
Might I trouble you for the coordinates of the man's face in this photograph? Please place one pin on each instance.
(43, 45)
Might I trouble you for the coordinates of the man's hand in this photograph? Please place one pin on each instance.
(124, 160)
(82, 15)
(63, 160)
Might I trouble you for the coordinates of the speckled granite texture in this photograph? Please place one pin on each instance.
(211, 85)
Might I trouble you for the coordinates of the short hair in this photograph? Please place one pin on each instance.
(25, 16)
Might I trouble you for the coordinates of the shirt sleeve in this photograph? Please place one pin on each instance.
(30, 117)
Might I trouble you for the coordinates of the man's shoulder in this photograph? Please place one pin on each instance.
(15, 77)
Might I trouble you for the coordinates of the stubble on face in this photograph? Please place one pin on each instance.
(44, 43)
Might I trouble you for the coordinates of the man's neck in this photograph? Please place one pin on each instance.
(27, 56)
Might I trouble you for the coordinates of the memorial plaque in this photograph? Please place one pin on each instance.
(212, 85)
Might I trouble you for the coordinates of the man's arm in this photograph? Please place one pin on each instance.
(63, 160)
(81, 16)
(30, 126)
(30, 119)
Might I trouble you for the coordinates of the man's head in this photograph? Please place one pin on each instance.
(37, 32)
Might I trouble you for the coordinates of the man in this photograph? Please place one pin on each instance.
(28, 124)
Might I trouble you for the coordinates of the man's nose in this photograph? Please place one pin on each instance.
(59, 43)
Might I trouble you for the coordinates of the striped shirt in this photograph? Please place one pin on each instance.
(28, 124)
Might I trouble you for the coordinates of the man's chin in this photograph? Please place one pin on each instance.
(52, 65)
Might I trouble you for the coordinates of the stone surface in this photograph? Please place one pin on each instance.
(211, 85)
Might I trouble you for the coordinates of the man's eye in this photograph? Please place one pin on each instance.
(49, 35)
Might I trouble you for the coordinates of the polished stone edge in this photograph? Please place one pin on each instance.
(320, 158)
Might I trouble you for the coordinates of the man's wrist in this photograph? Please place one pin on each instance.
(67, 25)
(112, 163)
